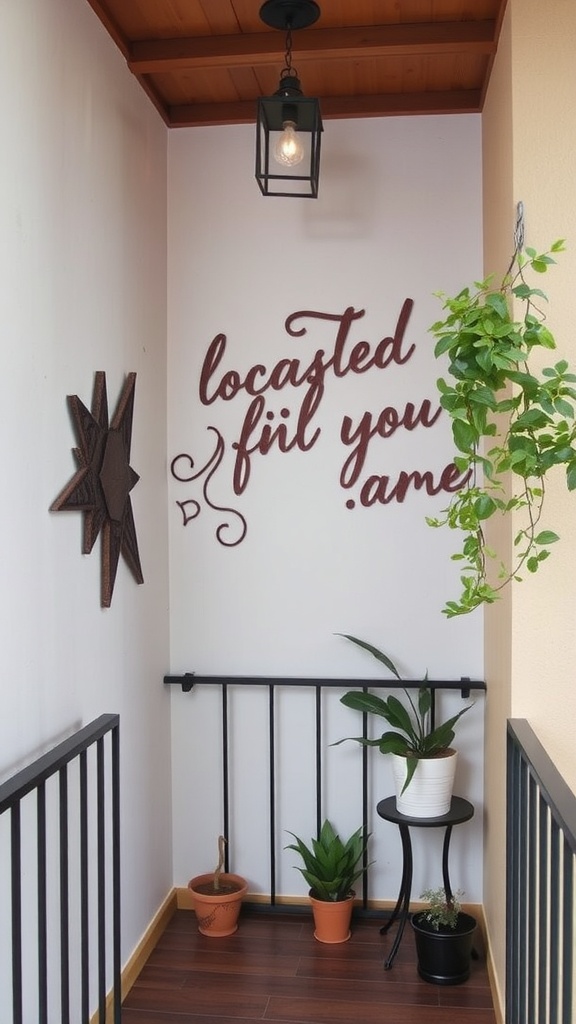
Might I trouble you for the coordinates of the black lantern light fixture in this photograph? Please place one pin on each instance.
(289, 126)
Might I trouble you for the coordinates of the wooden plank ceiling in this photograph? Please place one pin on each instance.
(205, 62)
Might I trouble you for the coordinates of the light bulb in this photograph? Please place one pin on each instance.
(289, 150)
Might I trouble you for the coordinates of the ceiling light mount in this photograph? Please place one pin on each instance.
(289, 125)
(283, 14)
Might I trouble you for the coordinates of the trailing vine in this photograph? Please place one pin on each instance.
(511, 424)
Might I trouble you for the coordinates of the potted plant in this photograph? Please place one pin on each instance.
(330, 869)
(423, 760)
(444, 935)
(512, 423)
(217, 897)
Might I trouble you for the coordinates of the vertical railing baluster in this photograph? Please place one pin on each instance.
(101, 878)
(567, 935)
(543, 905)
(16, 884)
(64, 899)
(531, 909)
(84, 894)
(116, 919)
(365, 881)
(225, 777)
(554, 954)
(42, 913)
(318, 759)
(522, 885)
(272, 790)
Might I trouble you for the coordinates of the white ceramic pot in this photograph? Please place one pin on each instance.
(430, 790)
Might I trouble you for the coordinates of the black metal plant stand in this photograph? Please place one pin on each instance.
(460, 811)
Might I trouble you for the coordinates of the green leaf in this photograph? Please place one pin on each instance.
(484, 396)
(563, 408)
(424, 701)
(464, 435)
(392, 743)
(497, 301)
(484, 506)
(571, 476)
(367, 703)
(379, 655)
(445, 344)
(399, 718)
(411, 766)
(546, 537)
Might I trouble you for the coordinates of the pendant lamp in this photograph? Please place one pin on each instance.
(289, 125)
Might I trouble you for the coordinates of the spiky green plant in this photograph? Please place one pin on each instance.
(412, 735)
(331, 866)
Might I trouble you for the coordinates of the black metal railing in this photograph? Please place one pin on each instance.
(189, 681)
(541, 850)
(63, 816)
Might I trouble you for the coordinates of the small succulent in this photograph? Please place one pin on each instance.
(441, 912)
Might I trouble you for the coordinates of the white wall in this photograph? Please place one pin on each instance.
(82, 288)
(399, 216)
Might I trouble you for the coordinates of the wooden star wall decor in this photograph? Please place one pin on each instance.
(101, 486)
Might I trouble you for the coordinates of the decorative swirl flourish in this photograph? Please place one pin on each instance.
(183, 469)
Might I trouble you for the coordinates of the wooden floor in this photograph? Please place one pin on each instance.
(273, 969)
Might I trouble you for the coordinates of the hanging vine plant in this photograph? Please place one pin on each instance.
(511, 424)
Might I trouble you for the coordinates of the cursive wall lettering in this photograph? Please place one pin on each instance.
(295, 425)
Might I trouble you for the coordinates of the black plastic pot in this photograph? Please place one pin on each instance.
(444, 955)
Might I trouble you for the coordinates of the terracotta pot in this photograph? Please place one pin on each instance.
(430, 790)
(332, 920)
(217, 912)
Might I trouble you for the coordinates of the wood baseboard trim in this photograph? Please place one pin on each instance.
(136, 962)
(184, 901)
(497, 999)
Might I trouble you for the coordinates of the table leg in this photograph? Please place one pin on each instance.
(403, 905)
(400, 901)
(447, 887)
(445, 852)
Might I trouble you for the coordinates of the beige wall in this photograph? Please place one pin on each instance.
(544, 117)
(499, 204)
(529, 137)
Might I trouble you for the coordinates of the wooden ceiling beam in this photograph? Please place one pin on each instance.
(464, 101)
(156, 56)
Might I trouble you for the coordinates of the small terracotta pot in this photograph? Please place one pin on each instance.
(332, 920)
(217, 912)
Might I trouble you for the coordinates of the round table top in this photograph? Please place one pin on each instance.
(460, 810)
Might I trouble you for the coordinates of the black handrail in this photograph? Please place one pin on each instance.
(189, 680)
